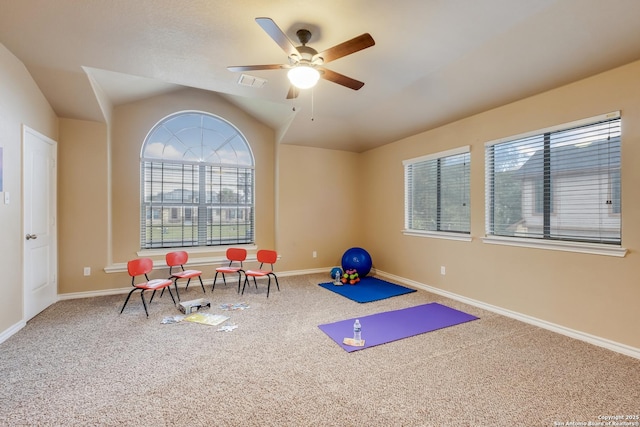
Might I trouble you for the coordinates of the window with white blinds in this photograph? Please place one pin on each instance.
(561, 183)
(197, 180)
(437, 192)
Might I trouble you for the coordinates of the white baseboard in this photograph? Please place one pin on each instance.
(591, 339)
(6, 334)
(579, 335)
(326, 270)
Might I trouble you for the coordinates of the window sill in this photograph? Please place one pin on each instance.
(216, 257)
(438, 235)
(585, 248)
(210, 250)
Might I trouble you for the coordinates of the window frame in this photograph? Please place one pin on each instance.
(198, 222)
(609, 249)
(408, 230)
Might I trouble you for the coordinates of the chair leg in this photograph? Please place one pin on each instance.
(254, 282)
(171, 293)
(202, 285)
(246, 279)
(214, 281)
(175, 283)
(152, 295)
(239, 280)
(215, 278)
(188, 281)
(268, 285)
(162, 292)
(144, 303)
(127, 300)
(277, 284)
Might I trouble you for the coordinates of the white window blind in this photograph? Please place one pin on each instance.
(437, 192)
(561, 183)
(197, 184)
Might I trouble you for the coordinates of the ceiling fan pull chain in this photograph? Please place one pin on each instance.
(312, 103)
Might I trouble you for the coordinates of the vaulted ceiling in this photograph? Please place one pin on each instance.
(433, 62)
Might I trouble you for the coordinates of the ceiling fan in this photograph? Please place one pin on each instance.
(305, 63)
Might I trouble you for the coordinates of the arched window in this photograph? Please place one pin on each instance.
(197, 175)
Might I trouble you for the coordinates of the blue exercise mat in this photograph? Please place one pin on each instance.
(394, 325)
(368, 289)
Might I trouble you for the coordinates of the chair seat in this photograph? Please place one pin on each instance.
(228, 269)
(154, 284)
(258, 273)
(187, 274)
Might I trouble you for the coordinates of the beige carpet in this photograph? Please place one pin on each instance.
(81, 363)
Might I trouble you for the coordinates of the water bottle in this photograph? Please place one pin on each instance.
(336, 280)
(357, 336)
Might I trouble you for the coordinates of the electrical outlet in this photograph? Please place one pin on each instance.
(315, 254)
(443, 270)
(87, 271)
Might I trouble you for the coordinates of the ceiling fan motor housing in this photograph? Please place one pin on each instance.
(306, 54)
(304, 36)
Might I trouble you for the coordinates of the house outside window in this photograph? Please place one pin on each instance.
(197, 177)
(562, 183)
(437, 193)
(538, 198)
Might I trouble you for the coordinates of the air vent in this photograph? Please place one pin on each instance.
(251, 81)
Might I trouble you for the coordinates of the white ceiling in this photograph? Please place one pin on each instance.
(434, 61)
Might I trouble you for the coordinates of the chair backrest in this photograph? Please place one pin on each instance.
(176, 258)
(140, 266)
(236, 254)
(266, 256)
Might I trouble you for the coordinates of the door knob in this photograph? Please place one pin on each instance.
(31, 236)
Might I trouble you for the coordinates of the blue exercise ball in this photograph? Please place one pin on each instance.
(357, 259)
(335, 270)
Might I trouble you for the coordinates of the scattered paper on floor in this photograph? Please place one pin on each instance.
(236, 306)
(206, 318)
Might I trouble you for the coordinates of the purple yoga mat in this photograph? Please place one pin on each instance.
(394, 325)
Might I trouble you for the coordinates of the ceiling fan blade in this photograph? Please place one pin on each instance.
(293, 92)
(257, 67)
(347, 48)
(340, 79)
(277, 35)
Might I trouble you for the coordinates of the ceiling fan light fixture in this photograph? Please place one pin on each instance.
(303, 76)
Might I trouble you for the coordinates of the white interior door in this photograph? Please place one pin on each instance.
(39, 210)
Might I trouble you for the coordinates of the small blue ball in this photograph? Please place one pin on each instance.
(335, 270)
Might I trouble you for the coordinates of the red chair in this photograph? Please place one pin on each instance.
(140, 267)
(179, 259)
(264, 257)
(237, 255)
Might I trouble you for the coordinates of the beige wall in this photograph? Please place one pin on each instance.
(594, 294)
(318, 206)
(82, 203)
(21, 102)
